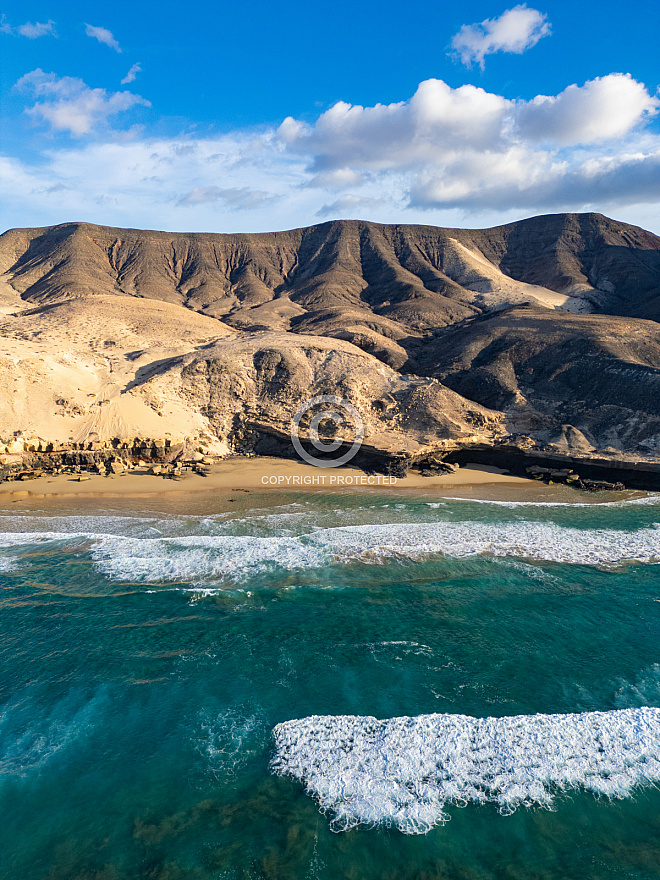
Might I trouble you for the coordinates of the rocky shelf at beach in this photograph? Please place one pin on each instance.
(156, 457)
(160, 457)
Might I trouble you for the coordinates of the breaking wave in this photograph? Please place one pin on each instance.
(402, 772)
(156, 558)
(204, 557)
(200, 558)
(531, 540)
(651, 499)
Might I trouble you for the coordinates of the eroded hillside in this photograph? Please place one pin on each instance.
(543, 329)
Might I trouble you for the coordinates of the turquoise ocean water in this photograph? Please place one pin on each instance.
(195, 696)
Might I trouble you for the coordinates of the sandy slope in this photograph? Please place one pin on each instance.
(67, 368)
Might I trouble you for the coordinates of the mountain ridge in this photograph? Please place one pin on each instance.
(438, 305)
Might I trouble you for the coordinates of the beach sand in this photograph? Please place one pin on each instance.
(233, 479)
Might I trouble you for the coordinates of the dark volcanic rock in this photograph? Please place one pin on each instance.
(569, 378)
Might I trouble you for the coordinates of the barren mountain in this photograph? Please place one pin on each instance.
(544, 327)
(553, 374)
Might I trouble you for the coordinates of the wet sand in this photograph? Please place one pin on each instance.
(229, 479)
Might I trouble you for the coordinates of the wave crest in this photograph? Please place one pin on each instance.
(207, 557)
(403, 771)
(157, 558)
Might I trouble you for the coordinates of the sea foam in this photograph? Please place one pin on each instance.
(530, 540)
(158, 558)
(402, 772)
(235, 557)
(651, 499)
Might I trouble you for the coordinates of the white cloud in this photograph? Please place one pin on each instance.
(434, 122)
(132, 74)
(30, 30)
(103, 35)
(142, 181)
(351, 206)
(38, 29)
(604, 108)
(440, 124)
(337, 178)
(236, 198)
(514, 31)
(453, 157)
(465, 147)
(71, 105)
(543, 185)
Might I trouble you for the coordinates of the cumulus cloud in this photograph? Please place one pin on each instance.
(589, 185)
(434, 122)
(70, 105)
(132, 74)
(448, 156)
(103, 35)
(441, 124)
(604, 108)
(514, 31)
(465, 146)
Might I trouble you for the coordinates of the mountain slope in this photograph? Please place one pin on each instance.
(539, 319)
(423, 276)
(597, 374)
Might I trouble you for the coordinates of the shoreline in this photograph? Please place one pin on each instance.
(230, 478)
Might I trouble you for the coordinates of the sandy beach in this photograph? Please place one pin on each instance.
(238, 476)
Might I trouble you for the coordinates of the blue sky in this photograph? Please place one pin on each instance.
(236, 117)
